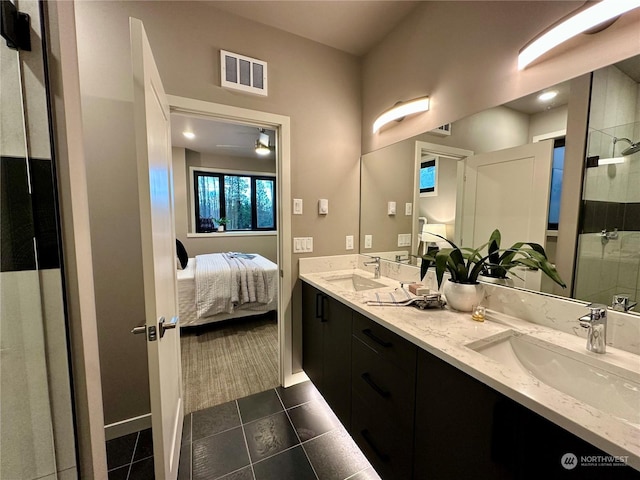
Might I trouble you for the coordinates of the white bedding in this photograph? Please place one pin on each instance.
(217, 287)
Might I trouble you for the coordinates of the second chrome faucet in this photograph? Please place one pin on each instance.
(376, 263)
(596, 322)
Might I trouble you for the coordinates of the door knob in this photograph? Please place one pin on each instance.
(139, 329)
(164, 326)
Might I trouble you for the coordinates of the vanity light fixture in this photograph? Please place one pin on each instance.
(610, 161)
(572, 26)
(189, 135)
(401, 110)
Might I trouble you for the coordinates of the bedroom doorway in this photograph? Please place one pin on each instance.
(227, 212)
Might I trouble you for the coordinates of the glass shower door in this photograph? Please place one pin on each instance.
(608, 260)
(37, 438)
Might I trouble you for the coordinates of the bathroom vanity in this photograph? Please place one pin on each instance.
(425, 395)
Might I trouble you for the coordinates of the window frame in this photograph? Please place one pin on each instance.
(434, 161)
(196, 171)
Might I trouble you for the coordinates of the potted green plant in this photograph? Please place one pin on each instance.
(222, 222)
(521, 254)
(465, 265)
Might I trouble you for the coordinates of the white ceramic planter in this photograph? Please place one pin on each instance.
(463, 296)
(498, 281)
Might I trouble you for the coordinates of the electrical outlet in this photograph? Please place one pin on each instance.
(368, 241)
(349, 242)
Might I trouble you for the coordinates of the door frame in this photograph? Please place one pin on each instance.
(422, 148)
(282, 125)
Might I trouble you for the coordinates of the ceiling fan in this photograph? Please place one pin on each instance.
(261, 145)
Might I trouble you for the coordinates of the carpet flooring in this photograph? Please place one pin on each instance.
(229, 360)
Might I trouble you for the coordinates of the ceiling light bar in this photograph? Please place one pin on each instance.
(189, 135)
(416, 105)
(578, 23)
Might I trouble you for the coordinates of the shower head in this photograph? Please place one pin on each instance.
(633, 147)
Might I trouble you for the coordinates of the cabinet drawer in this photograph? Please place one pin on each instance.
(385, 343)
(384, 387)
(387, 446)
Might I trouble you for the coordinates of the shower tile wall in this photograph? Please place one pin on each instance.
(36, 426)
(611, 198)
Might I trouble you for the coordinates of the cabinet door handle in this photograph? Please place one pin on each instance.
(325, 308)
(367, 437)
(381, 391)
(320, 306)
(378, 340)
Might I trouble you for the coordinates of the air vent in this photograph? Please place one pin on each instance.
(442, 131)
(243, 73)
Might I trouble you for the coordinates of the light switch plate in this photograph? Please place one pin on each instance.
(323, 206)
(408, 208)
(368, 241)
(297, 206)
(391, 208)
(349, 242)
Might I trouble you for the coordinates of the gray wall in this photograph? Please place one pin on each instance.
(464, 55)
(317, 86)
(320, 88)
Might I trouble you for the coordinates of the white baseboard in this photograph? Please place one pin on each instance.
(295, 378)
(125, 427)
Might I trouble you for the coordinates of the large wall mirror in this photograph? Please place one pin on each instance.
(607, 252)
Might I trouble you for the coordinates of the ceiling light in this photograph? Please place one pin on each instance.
(401, 110)
(572, 26)
(262, 149)
(546, 96)
(189, 135)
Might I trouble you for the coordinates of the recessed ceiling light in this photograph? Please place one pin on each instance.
(546, 96)
(189, 135)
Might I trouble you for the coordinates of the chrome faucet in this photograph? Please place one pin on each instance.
(596, 322)
(621, 303)
(408, 258)
(376, 264)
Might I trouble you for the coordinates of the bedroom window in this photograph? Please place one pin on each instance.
(247, 202)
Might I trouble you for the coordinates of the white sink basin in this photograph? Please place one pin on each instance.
(354, 283)
(595, 382)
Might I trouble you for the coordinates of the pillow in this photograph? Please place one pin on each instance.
(183, 257)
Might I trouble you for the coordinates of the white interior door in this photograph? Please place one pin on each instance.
(155, 185)
(508, 190)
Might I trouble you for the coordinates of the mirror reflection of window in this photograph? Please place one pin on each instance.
(429, 177)
(556, 183)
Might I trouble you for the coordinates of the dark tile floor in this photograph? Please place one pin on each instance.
(277, 434)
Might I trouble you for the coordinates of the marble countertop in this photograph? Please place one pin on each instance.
(445, 334)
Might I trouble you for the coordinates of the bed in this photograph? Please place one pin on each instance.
(223, 286)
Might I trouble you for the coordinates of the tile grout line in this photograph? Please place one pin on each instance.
(133, 454)
(244, 435)
(297, 436)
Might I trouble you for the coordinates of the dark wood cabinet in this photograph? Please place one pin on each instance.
(326, 348)
(465, 429)
(383, 373)
(417, 417)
